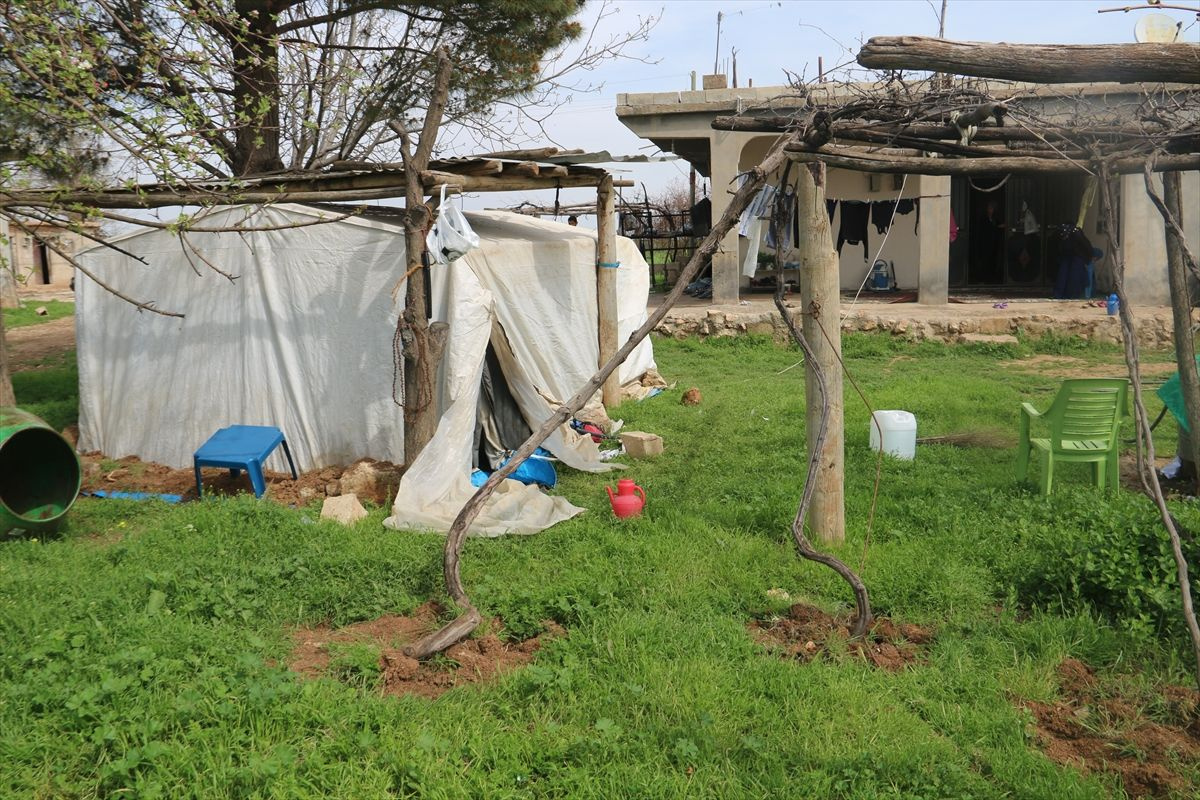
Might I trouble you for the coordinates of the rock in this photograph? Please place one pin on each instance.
(41, 311)
(691, 397)
(374, 481)
(333, 489)
(988, 338)
(344, 509)
(306, 494)
(641, 445)
(91, 469)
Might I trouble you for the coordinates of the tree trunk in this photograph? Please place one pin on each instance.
(255, 89)
(1037, 63)
(1181, 311)
(7, 398)
(820, 300)
(424, 343)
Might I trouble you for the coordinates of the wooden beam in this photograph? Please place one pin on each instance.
(916, 165)
(986, 133)
(606, 287)
(527, 168)
(820, 300)
(1178, 62)
(345, 188)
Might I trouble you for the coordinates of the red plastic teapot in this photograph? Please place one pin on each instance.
(629, 500)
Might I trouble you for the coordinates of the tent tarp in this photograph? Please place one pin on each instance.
(302, 339)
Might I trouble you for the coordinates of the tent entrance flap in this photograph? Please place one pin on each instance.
(500, 425)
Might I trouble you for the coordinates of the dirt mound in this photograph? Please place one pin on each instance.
(1094, 730)
(132, 475)
(807, 632)
(383, 664)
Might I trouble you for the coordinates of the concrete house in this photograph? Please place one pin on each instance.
(987, 234)
(35, 258)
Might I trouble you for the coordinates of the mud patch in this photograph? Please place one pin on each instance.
(1095, 730)
(31, 345)
(315, 653)
(807, 633)
(130, 474)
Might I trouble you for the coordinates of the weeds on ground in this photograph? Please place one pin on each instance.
(153, 663)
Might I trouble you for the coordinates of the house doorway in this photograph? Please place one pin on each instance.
(41, 262)
(1007, 230)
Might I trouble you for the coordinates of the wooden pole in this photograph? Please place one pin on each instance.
(1178, 62)
(1181, 311)
(606, 287)
(820, 301)
(891, 163)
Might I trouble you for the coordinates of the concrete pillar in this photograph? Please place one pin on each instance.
(933, 236)
(725, 156)
(1143, 238)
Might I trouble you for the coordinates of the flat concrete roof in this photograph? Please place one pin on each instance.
(717, 100)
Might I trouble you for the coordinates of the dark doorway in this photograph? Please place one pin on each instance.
(41, 261)
(1005, 229)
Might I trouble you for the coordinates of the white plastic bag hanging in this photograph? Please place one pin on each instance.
(451, 236)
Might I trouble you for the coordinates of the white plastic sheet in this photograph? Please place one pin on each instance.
(303, 340)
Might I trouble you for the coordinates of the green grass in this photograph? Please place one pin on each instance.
(51, 391)
(20, 317)
(144, 646)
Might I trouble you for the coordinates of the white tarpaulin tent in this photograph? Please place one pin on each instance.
(303, 340)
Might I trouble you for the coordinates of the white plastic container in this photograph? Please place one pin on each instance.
(895, 434)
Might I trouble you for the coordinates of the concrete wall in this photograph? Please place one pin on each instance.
(1144, 239)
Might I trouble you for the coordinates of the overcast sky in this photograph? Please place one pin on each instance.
(771, 37)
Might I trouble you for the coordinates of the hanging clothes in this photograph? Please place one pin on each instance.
(788, 202)
(750, 263)
(759, 207)
(831, 207)
(855, 216)
(953, 228)
(882, 212)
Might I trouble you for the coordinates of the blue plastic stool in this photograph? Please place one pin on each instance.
(242, 447)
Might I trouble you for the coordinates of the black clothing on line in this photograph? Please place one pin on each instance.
(855, 216)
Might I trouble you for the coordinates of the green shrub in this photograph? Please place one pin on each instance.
(1113, 560)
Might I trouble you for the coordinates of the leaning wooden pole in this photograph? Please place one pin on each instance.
(820, 303)
(1108, 209)
(606, 286)
(461, 627)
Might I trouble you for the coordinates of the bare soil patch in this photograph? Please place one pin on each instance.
(807, 633)
(472, 661)
(1093, 729)
(30, 345)
(133, 475)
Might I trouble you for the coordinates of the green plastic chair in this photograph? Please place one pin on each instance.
(1084, 421)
